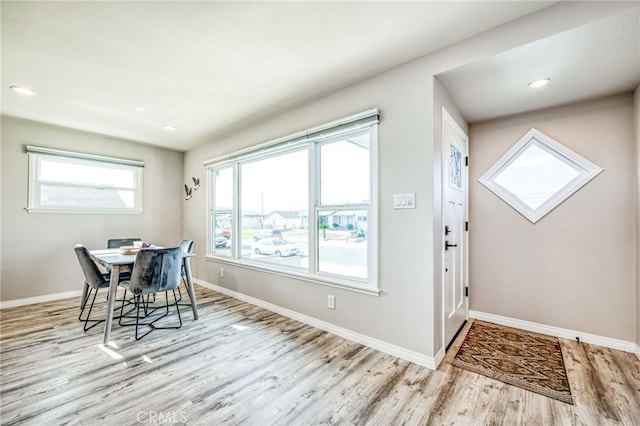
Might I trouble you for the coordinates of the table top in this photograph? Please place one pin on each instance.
(111, 257)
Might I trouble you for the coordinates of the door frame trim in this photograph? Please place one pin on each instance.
(447, 117)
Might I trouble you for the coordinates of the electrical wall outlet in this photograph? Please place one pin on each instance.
(331, 302)
(221, 272)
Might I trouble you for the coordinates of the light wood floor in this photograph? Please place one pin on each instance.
(243, 365)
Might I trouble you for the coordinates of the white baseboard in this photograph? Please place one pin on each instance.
(593, 339)
(439, 357)
(40, 299)
(391, 349)
(637, 352)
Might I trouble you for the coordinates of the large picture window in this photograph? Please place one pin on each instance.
(63, 181)
(304, 205)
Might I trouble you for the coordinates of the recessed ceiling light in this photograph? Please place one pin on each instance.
(169, 128)
(23, 90)
(539, 82)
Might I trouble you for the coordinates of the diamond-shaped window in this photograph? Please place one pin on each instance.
(538, 174)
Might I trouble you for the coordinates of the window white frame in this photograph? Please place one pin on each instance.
(318, 205)
(36, 155)
(585, 169)
(365, 122)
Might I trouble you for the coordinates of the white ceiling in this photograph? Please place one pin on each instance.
(597, 59)
(211, 67)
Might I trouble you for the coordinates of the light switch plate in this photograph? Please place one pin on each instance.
(404, 201)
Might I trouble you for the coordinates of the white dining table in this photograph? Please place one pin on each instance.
(117, 263)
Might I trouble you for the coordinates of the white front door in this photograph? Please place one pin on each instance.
(454, 201)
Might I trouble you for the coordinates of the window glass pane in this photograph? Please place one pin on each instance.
(344, 171)
(535, 175)
(342, 245)
(81, 184)
(455, 167)
(222, 227)
(224, 189)
(221, 219)
(274, 200)
(52, 170)
(87, 197)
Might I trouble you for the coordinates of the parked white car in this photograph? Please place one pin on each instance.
(267, 233)
(276, 246)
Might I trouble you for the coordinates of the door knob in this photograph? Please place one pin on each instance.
(447, 245)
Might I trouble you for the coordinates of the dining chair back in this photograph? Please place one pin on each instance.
(93, 277)
(93, 281)
(187, 247)
(120, 242)
(154, 271)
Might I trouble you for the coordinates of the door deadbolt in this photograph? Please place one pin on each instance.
(447, 245)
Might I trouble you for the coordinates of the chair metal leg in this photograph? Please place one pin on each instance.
(87, 320)
(132, 301)
(177, 308)
(143, 310)
(138, 300)
(180, 294)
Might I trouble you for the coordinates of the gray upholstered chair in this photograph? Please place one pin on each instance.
(187, 247)
(94, 280)
(119, 242)
(154, 271)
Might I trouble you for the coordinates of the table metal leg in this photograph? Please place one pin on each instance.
(192, 294)
(113, 290)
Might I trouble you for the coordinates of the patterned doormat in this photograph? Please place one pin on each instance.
(530, 361)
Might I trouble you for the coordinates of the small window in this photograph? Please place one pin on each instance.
(62, 181)
(455, 168)
(538, 174)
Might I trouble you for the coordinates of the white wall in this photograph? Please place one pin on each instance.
(575, 268)
(402, 314)
(407, 312)
(636, 121)
(37, 248)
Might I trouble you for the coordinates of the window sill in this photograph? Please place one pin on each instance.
(82, 211)
(321, 280)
